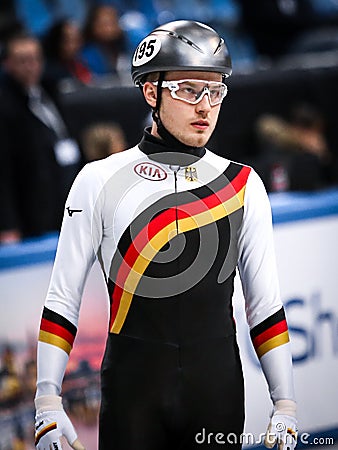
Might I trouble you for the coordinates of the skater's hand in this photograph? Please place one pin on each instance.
(282, 428)
(51, 422)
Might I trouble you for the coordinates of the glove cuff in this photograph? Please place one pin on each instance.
(48, 403)
(286, 407)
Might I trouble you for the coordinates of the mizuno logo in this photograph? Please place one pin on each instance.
(72, 211)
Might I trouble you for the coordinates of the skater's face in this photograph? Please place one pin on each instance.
(191, 123)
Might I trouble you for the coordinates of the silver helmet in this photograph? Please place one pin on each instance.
(181, 45)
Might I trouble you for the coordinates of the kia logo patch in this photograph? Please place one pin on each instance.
(150, 171)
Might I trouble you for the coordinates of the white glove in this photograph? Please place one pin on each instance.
(283, 426)
(51, 422)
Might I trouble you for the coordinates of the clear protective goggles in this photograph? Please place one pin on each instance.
(192, 91)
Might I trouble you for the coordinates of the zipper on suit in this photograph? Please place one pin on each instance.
(175, 170)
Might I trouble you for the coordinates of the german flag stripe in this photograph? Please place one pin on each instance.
(47, 429)
(277, 317)
(230, 179)
(214, 199)
(56, 318)
(149, 251)
(226, 198)
(171, 202)
(161, 229)
(272, 343)
(141, 240)
(57, 330)
(270, 333)
(57, 341)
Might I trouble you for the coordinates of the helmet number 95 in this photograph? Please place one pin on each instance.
(146, 50)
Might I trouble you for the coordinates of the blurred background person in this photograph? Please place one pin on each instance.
(38, 157)
(294, 153)
(101, 140)
(105, 41)
(62, 45)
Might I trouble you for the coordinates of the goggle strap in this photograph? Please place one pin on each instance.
(156, 110)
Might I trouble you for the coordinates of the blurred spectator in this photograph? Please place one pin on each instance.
(38, 159)
(101, 140)
(104, 40)
(137, 19)
(294, 154)
(62, 46)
